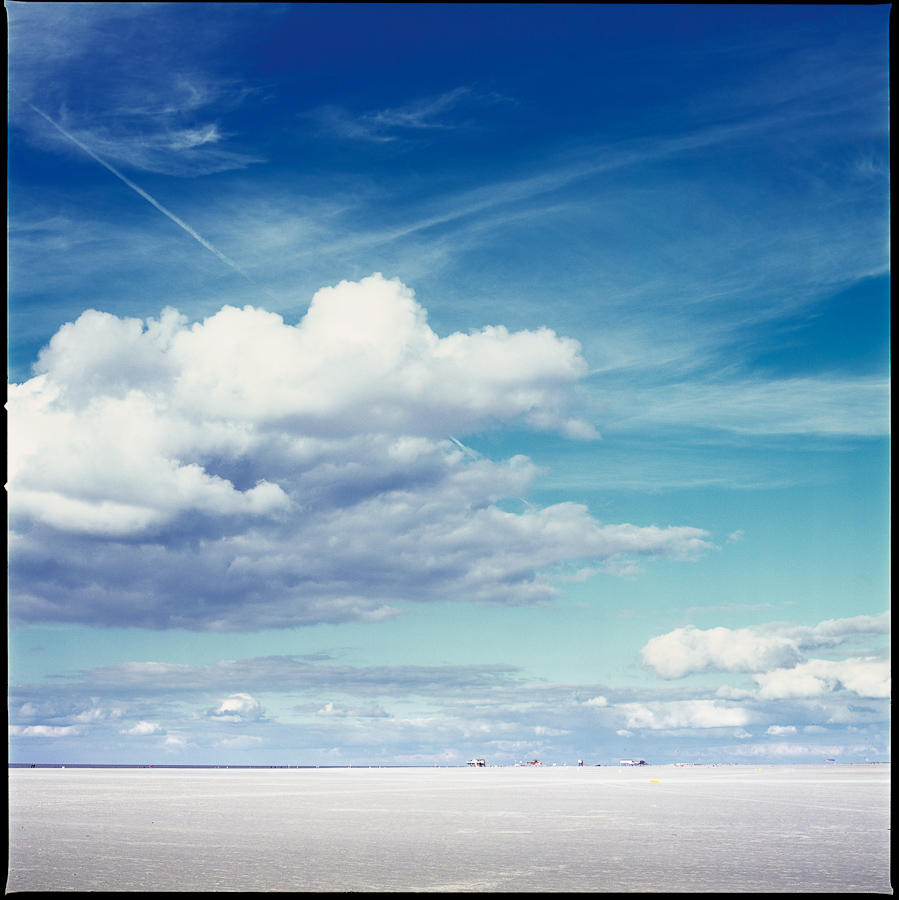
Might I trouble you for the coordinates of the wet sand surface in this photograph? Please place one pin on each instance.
(665, 828)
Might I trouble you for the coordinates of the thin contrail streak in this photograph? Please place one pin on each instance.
(199, 238)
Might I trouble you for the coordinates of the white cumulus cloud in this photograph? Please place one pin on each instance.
(763, 648)
(673, 714)
(241, 472)
(817, 677)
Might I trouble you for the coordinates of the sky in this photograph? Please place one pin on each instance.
(401, 384)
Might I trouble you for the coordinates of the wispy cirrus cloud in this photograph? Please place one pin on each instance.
(394, 124)
(163, 147)
(181, 224)
(167, 139)
(167, 123)
(826, 405)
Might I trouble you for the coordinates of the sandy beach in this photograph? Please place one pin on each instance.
(658, 828)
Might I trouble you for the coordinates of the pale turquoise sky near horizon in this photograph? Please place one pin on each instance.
(598, 462)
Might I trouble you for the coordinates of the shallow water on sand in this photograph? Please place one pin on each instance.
(659, 828)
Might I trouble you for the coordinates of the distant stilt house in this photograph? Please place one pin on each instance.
(477, 762)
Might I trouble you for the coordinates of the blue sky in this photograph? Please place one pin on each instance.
(396, 384)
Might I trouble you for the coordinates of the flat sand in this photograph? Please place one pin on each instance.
(591, 829)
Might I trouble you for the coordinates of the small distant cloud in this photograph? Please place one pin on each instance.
(727, 692)
(735, 536)
(543, 731)
(597, 701)
(176, 743)
(238, 708)
(780, 730)
(579, 430)
(50, 731)
(372, 711)
(143, 728)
